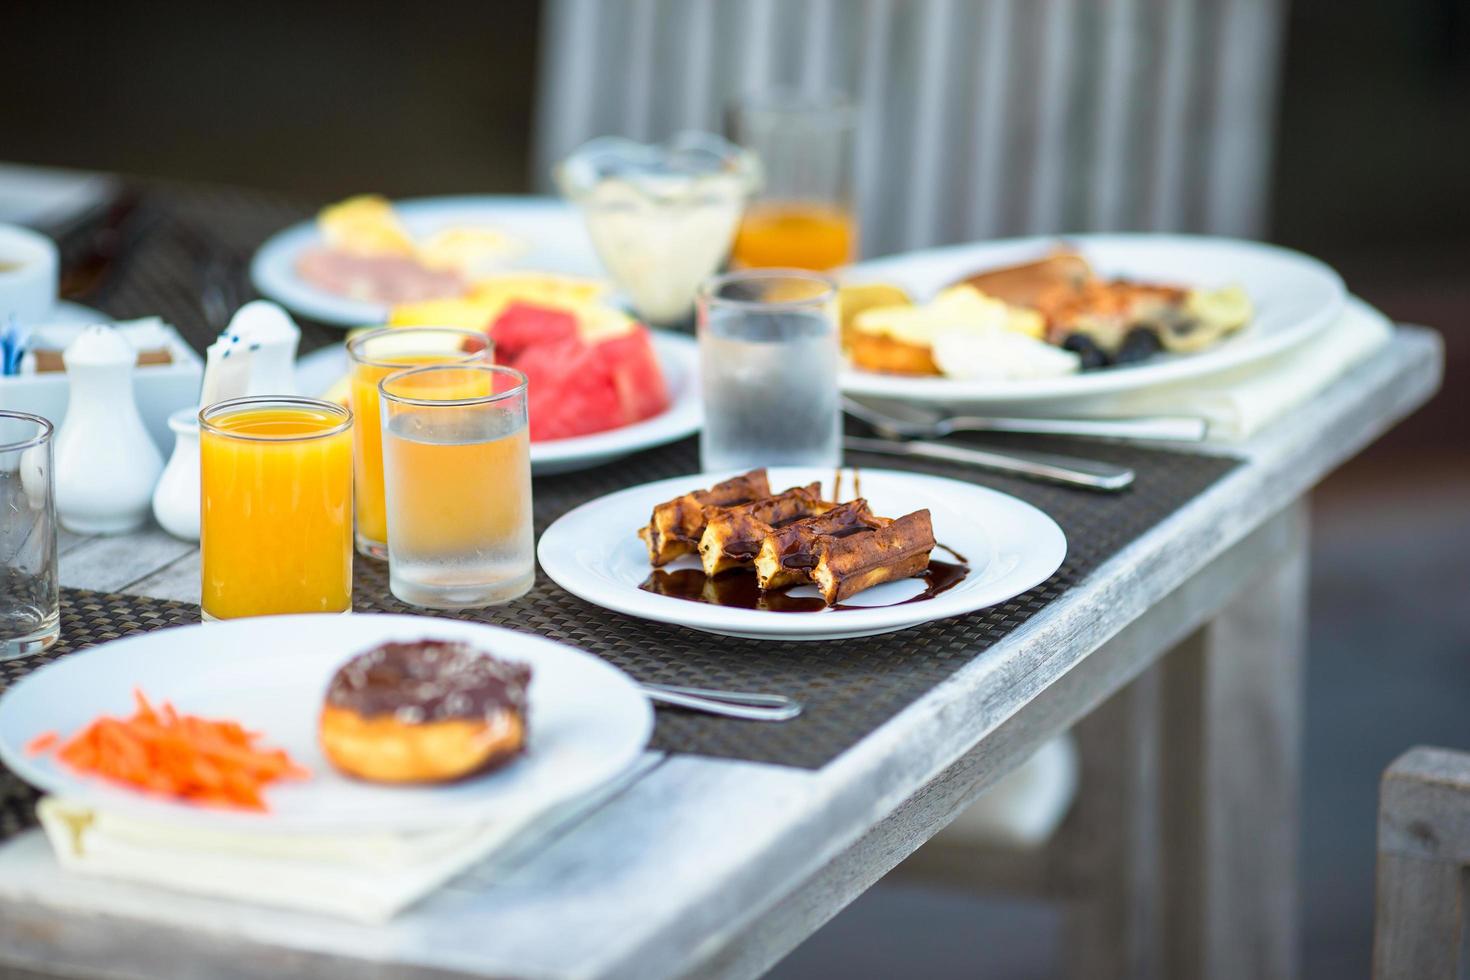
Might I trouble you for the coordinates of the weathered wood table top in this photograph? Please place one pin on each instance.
(712, 866)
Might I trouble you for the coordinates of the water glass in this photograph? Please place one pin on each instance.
(804, 215)
(374, 356)
(769, 355)
(457, 471)
(29, 598)
(275, 527)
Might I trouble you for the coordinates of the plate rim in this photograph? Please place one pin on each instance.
(166, 812)
(572, 577)
(306, 300)
(1114, 380)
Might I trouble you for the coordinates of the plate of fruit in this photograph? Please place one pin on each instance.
(1048, 319)
(601, 385)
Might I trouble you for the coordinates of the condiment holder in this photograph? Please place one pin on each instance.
(106, 465)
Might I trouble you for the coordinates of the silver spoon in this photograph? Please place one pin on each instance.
(898, 420)
(731, 704)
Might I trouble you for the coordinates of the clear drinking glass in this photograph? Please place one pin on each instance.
(457, 471)
(275, 527)
(29, 598)
(374, 356)
(768, 351)
(804, 215)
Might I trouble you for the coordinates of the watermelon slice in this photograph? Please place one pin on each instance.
(575, 388)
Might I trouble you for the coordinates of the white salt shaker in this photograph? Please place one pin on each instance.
(176, 498)
(106, 465)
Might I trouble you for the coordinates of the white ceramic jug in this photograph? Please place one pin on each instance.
(106, 466)
(176, 498)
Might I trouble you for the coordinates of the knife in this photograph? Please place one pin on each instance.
(1067, 470)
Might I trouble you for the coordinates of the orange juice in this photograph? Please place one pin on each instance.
(276, 507)
(795, 235)
(374, 357)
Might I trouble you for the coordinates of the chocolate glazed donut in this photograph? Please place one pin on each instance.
(426, 712)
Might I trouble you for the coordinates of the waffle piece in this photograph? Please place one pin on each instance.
(733, 535)
(677, 525)
(848, 564)
(788, 554)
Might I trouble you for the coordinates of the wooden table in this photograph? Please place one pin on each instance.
(1192, 639)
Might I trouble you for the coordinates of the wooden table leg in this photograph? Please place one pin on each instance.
(1107, 850)
(1232, 713)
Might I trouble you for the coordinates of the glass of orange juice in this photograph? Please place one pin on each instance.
(457, 475)
(803, 217)
(374, 356)
(275, 507)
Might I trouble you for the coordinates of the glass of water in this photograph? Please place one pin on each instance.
(29, 598)
(457, 476)
(768, 351)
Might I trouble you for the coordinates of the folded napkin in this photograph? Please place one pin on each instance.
(1240, 402)
(364, 876)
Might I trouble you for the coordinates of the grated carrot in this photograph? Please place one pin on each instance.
(41, 743)
(204, 761)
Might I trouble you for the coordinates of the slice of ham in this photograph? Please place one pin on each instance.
(376, 278)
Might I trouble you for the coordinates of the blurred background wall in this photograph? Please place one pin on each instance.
(1371, 136)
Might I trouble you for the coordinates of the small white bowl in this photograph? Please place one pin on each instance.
(28, 274)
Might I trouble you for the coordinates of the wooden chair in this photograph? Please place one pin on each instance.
(1423, 905)
(978, 118)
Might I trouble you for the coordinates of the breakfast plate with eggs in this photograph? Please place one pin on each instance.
(360, 256)
(1019, 323)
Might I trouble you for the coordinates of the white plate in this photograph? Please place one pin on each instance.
(553, 232)
(678, 358)
(1294, 297)
(593, 552)
(588, 720)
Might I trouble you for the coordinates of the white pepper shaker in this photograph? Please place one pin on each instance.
(106, 465)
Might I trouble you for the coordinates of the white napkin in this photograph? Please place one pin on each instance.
(1240, 402)
(364, 876)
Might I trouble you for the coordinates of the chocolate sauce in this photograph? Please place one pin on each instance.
(429, 680)
(738, 590)
(735, 589)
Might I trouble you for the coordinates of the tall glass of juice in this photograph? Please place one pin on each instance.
(804, 216)
(457, 471)
(374, 356)
(275, 507)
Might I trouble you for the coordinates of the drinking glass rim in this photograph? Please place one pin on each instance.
(835, 105)
(520, 387)
(469, 356)
(260, 401)
(45, 433)
(709, 288)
